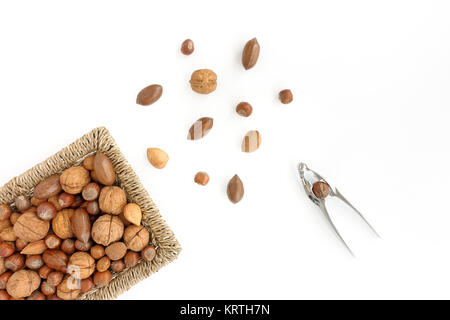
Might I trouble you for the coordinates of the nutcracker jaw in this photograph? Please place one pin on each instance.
(306, 175)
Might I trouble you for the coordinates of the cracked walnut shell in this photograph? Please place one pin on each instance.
(81, 265)
(136, 237)
(22, 283)
(203, 81)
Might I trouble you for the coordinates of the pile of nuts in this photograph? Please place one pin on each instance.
(75, 233)
(204, 81)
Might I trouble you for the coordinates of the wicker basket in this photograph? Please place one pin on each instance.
(162, 237)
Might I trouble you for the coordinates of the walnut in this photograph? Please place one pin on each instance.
(22, 283)
(112, 200)
(81, 265)
(136, 237)
(203, 81)
(107, 229)
(30, 228)
(69, 288)
(61, 224)
(74, 179)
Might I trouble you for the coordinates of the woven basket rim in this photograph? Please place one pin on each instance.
(99, 139)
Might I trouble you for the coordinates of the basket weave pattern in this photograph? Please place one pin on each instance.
(162, 237)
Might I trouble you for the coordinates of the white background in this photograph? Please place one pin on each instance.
(371, 111)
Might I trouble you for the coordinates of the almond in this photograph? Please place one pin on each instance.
(133, 213)
(37, 247)
(157, 157)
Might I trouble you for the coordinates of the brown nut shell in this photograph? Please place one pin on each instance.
(37, 247)
(104, 170)
(55, 259)
(81, 225)
(69, 288)
(136, 237)
(81, 265)
(132, 213)
(22, 283)
(48, 188)
(112, 200)
(157, 157)
(200, 128)
(74, 179)
(250, 54)
(149, 95)
(61, 224)
(235, 189)
(116, 250)
(203, 81)
(30, 228)
(107, 229)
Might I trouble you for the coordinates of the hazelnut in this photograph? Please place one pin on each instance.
(91, 191)
(107, 229)
(46, 211)
(103, 264)
(202, 178)
(321, 189)
(4, 279)
(22, 203)
(83, 246)
(131, 259)
(15, 262)
(78, 201)
(34, 262)
(37, 295)
(55, 259)
(81, 265)
(48, 188)
(112, 200)
(148, 253)
(244, 109)
(8, 235)
(86, 285)
(4, 295)
(133, 213)
(44, 271)
(157, 157)
(37, 247)
(102, 279)
(6, 249)
(52, 241)
(117, 266)
(286, 96)
(203, 81)
(81, 225)
(5, 212)
(136, 237)
(55, 278)
(61, 224)
(116, 250)
(68, 246)
(88, 163)
(104, 170)
(66, 200)
(20, 244)
(187, 47)
(92, 207)
(47, 289)
(30, 228)
(14, 217)
(74, 179)
(97, 251)
(69, 288)
(22, 283)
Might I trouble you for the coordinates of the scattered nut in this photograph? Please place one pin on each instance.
(149, 95)
(235, 189)
(250, 54)
(251, 141)
(187, 47)
(157, 157)
(203, 81)
(286, 96)
(321, 189)
(244, 109)
(200, 128)
(201, 178)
